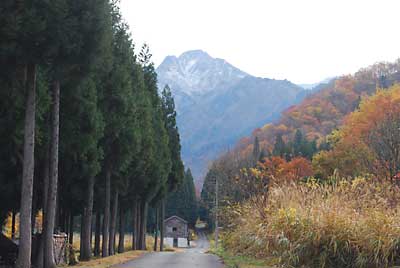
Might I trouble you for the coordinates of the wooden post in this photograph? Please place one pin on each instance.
(216, 213)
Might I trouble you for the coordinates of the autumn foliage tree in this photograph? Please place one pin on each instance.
(320, 113)
(278, 169)
(302, 131)
(254, 181)
(369, 140)
(297, 168)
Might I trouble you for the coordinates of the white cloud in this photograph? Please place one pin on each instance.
(302, 41)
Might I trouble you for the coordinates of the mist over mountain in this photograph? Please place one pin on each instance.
(217, 104)
(313, 86)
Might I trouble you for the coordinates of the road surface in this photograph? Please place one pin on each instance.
(195, 257)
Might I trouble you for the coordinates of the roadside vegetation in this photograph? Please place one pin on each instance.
(231, 260)
(346, 223)
(112, 260)
(321, 188)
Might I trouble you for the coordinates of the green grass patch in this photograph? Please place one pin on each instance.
(237, 261)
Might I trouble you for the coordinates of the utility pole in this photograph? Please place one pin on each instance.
(216, 213)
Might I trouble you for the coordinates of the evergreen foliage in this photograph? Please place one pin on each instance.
(183, 201)
(299, 146)
(119, 146)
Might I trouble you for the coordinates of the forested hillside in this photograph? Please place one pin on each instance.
(320, 185)
(302, 131)
(322, 112)
(85, 134)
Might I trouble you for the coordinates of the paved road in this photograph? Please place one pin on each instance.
(195, 257)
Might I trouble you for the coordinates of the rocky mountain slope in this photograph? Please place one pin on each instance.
(217, 104)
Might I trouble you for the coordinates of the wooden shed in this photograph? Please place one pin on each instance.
(176, 227)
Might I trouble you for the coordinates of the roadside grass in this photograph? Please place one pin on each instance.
(349, 223)
(238, 261)
(116, 259)
(112, 260)
(127, 243)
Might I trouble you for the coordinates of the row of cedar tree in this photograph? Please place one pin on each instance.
(84, 131)
(348, 127)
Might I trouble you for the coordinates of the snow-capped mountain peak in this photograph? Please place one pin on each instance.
(196, 72)
(217, 104)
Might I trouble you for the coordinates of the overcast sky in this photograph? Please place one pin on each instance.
(303, 41)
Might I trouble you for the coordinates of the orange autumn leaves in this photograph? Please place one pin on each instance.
(316, 116)
(367, 143)
(384, 105)
(274, 170)
(278, 169)
(369, 140)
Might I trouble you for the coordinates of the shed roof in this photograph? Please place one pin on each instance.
(175, 217)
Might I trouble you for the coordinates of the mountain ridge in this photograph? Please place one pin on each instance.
(217, 104)
(324, 109)
(196, 72)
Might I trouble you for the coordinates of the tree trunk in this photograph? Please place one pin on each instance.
(71, 234)
(156, 229)
(71, 229)
(143, 224)
(80, 237)
(86, 252)
(39, 261)
(97, 234)
(67, 222)
(139, 226)
(13, 225)
(134, 226)
(49, 261)
(57, 211)
(60, 215)
(106, 219)
(91, 235)
(33, 221)
(162, 226)
(121, 242)
(46, 177)
(145, 213)
(34, 205)
(46, 170)
(25, 244)
(113, 223)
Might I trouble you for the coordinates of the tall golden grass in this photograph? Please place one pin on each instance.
(344, 224)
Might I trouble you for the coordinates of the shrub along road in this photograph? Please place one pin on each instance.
(195, 257)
